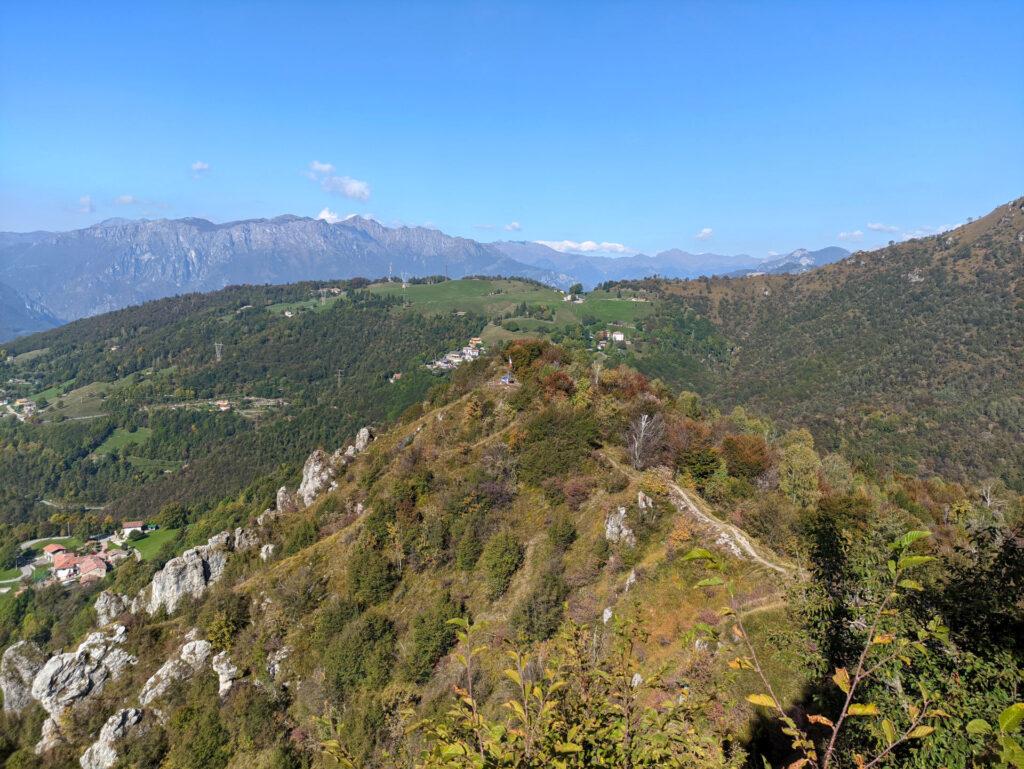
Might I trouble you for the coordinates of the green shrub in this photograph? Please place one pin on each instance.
(561, 533)
(557, 442)
(432, 637)
(371, 576)
(500, 560)
(362, 656)
(541, 613)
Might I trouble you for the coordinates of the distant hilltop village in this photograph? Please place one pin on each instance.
(456, 358)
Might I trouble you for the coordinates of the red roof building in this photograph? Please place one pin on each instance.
(53, 548)
(65, 561)
(91, 565)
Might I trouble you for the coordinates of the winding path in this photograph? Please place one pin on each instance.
(730, 537)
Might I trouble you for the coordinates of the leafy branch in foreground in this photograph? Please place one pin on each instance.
(570, 707)
(893, 644)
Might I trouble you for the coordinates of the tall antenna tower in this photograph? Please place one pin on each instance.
(218, 349)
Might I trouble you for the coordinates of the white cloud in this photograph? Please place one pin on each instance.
(126, 200)
(328, 216)
(321, 168)
(587, 247)
(513, 227)
(85, 205)
(879, 227)
(199, 168)
(852, 235)
(345, 186)
(773, 253)
(704, 234)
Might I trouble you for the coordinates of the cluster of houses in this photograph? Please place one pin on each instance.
(67, 566)
(604, 338)
(456, 358)
(19, 407)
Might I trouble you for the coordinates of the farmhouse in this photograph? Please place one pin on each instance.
(127, 527)
(52, 550)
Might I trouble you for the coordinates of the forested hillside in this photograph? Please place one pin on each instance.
(635, 578)
(910, 357)
(128, 417)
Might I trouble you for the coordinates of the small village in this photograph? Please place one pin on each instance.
(92, 561)
(456, 358)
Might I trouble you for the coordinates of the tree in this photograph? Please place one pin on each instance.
(798, 473)
(643, 439)
(576, 288)
(501, 558)
(894, 645)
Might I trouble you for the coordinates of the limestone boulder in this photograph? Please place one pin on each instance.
(19, 665)
(102, 754)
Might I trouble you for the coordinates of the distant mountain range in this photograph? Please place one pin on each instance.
(54, 277)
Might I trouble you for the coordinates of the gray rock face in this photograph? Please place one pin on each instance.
(363, 438)
(267, 551)
(284, 503)
(246, 539)
(18, 667)
(190, 573)
(616, 528)
(226, 672)
(102, 754)
(317, 475)
(191, 658)
(68, 678)
(109, 606)
(275, 662)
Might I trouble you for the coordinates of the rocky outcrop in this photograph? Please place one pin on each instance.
(284, 503)
(276, 660)
(317, 476)
(191, 658)
(102, 754)
(363, 438)
(227, 672)
(109, 606)
(267, 551)
(18, 667)
(189, 574)
(246, 539)
(66, 679)
(617, 530)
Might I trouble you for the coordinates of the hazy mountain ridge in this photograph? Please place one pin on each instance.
(117, 262)
(20, 315)
(122, 262)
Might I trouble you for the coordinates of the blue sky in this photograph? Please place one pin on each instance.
(717, 126)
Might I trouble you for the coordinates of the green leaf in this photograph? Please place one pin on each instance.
(762, 700)
(911, 584)
(710, 582)
(919, 732)
(908, 539)
(568, 747)
(1010, 719)
(698, 554)
(912, 561)
(889, 731)
(978, 726)
(863, 709)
